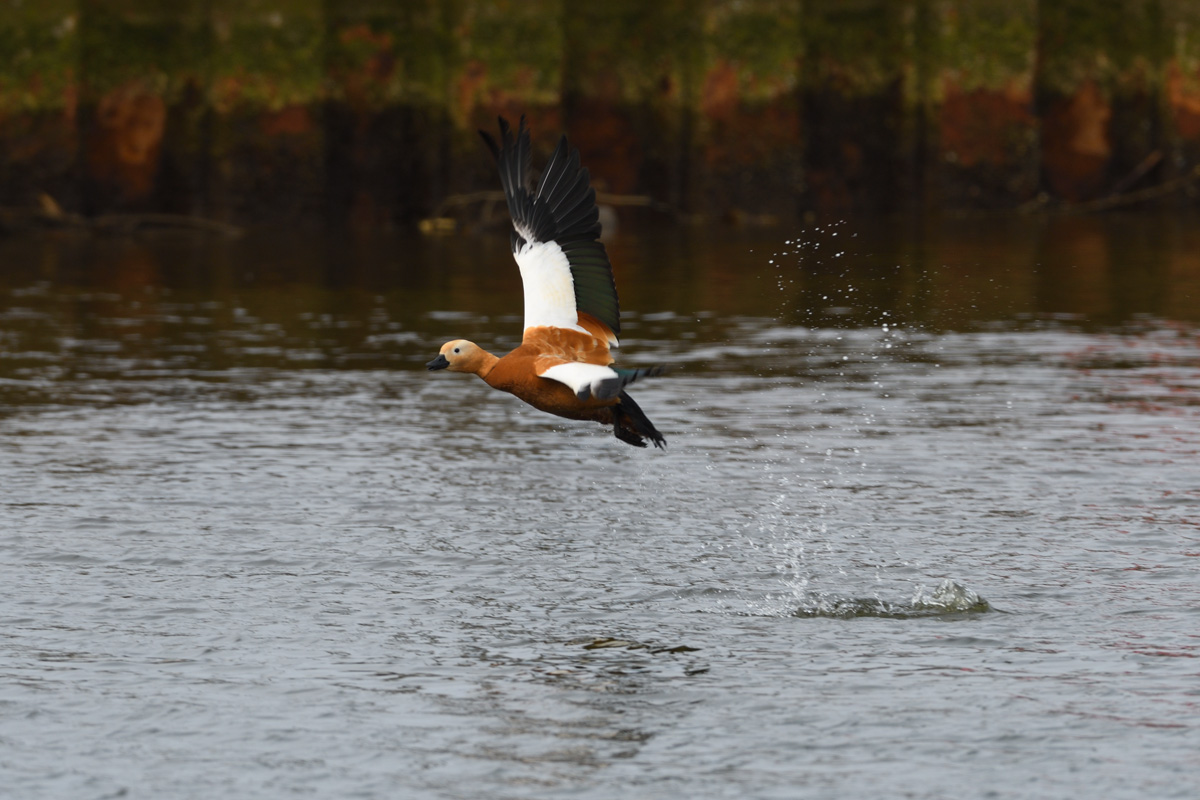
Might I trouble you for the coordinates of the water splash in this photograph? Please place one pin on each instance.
(948, 598)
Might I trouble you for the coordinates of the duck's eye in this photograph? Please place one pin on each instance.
(458, 349)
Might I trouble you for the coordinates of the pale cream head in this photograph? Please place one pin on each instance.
(460, 356)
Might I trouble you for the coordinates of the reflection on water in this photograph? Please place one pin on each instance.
(90, 308)
(926, 521)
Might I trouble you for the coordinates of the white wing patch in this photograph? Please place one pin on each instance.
(585, 379)
(549, 288)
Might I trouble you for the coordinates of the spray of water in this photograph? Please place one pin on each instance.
(827, 556)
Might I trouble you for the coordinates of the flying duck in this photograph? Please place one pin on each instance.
(572, 318)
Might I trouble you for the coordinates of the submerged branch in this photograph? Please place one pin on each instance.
(49, 216)
(441, 220)
(1118, 200)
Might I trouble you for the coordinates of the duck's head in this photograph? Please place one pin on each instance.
(458, 356)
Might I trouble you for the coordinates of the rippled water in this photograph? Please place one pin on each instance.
(925, 527)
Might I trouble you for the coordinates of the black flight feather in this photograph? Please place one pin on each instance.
(562, 210)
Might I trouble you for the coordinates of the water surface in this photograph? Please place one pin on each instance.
(927, 523)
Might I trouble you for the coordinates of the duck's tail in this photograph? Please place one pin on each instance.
(632, 426)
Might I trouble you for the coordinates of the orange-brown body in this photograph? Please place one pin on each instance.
(517, 372)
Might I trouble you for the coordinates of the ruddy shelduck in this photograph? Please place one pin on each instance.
(563, 365)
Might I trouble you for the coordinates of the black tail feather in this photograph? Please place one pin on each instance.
(632, 426)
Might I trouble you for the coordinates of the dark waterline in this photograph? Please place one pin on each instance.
(361, 299)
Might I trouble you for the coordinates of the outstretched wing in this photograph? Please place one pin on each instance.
(565, 269)
(591, 380)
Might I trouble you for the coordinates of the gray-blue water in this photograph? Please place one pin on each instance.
(249, 548)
